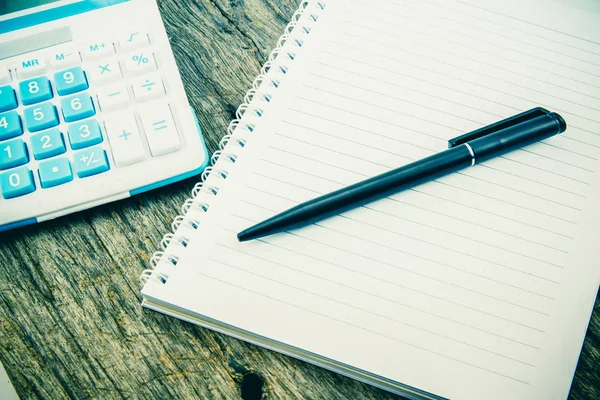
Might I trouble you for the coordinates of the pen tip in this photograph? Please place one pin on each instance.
(243, 236)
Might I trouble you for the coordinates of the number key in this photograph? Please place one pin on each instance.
(85, 133)
(10, 125)
(77, 107)
(70, 81)
(13, 153)
(47, 144)
(35, 90)
(40, 117)
(8, 100)
(17, 182)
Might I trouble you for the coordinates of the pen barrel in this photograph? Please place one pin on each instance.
(380, 186)
(517, 136)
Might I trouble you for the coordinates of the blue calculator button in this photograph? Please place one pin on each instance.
(47, 144)
(84, 134)
(91, 162)
(8, 100)
(40, 117)
(77, 107)
(16, 182)
(13, 153)
(10, 125)
(35, 90)
(55, 172)
(70, 81)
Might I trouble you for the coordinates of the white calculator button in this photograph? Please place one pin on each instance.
(28, 67)
(125, 140)
(103, 71)
(147, 87)
(133, 40)
(64, 57)
(160, 129)
(96, 50)
(113, 97)
(139, 62)
(4, 75)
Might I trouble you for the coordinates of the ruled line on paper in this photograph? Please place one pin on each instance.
(370, 259)
(427, 22)
(471, 70)
(438, 181)
(295, 202)
(388, 82)
(569, 150)
(308, 143)
(360, 327)
(420, 192)
(437, 96)
(500, 29)
(474, 17)
(394, 138)
(427, 242)
(395, 72)
(354, 306)
(558, 161)
(512, 17)
(371, 90)
(413, 254)
(511, 94)
(455, 129)
(420, 274)
(313, 257)
(484, 52)
(494, 89)
(412, 130)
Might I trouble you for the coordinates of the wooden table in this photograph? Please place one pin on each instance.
(71, 324)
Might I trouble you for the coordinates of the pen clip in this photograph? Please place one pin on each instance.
(498, 126)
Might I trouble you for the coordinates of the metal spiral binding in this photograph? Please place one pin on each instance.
(201, 193)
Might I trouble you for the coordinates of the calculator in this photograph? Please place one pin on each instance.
(92, 107)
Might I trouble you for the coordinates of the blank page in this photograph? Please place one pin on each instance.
(476, 285)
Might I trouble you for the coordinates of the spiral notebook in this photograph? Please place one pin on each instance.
(476, 285)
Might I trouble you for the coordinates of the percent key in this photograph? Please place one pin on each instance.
(139, 62)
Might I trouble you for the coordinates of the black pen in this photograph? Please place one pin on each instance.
(464, 151)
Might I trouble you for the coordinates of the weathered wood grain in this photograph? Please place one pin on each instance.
(71, 325)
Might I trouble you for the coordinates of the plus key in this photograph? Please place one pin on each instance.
(124, 137)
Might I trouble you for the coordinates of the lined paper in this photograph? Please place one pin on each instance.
(459, 287)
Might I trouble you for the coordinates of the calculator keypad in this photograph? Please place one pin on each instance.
(77, 107)
(104, 71)
(39, 117)
(125, 139)
(70, 81)
(17, 182)
(10, 125)
(35, 90)
(84, 134)
(66, 109)
(55, 172)
(91, 162)
(13, 153)
(47, 144)
(8, 98)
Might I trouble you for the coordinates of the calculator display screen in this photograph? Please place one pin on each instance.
(10, 6)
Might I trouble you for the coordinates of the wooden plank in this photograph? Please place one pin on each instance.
(70, 321)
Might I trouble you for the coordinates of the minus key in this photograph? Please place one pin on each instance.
(113, 97)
